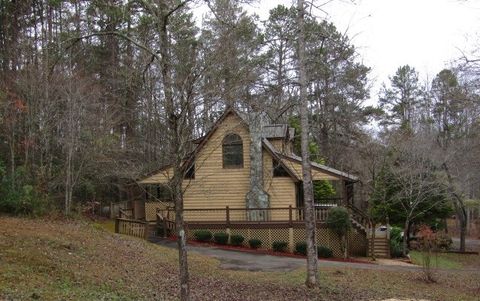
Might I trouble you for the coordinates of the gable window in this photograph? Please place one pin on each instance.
(232, 147)
(278, 169)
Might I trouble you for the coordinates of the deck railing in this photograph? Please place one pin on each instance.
(229, 215)
(132, 227)
(125, 213)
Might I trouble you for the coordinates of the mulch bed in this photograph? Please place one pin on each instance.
(263, 251)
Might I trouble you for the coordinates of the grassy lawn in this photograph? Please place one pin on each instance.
(78, 260)
(449, 260)
(108, 225)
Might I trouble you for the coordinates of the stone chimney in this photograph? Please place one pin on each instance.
(256, 197)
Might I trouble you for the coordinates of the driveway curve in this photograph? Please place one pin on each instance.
(237, 260)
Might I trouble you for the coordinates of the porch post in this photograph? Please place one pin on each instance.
(227, 222)
(165, 230)
(227, 216)
(146, 231)
(290, 216)
(290, 239)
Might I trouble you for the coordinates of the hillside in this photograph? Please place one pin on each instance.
(78, 260)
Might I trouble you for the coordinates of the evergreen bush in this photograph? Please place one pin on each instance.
(236, 240)
(301, 248)
(324, 252)
(279, 246)
(221, 238)
(254, 243)
(203, 235)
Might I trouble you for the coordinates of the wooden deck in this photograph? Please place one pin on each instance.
(267, 224)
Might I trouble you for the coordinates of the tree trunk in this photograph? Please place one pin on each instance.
(68, 182)
(177, 151)
(312, 260)
(460, 208)
(405, 237)
(463, 228)
(372, 244)
(181, 242)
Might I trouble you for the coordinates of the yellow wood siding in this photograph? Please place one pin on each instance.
(215, 186)
(282, 146)
(218, 187)
(278, 144)
(280, 189)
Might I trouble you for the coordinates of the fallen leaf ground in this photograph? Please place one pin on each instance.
(44, 259)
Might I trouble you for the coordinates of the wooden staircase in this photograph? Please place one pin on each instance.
(381, 247)
(357, 225)
(360, 221)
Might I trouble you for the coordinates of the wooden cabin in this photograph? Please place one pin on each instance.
(218, 179)
(220, 175)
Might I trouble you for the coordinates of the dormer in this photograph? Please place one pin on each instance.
(280, 136)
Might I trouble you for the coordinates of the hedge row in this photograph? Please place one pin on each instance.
(222, 238)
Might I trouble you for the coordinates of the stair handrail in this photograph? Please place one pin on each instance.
(122, 213)
(364, 219)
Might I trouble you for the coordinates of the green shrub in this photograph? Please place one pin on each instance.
(338, 221)
(203, 235)
(396, 234)
(396, 249)
(396, 242)
(254, 243)
(324, 252)
(221, 238)
(301, 248)
(19, 196)
(279, 246)
(236, 240)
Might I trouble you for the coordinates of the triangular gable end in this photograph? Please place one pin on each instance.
(188, 161)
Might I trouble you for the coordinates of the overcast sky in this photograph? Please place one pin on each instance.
(426, 34)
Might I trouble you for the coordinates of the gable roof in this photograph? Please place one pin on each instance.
(147, 178)
(273, 131)
(274, 153)
(323, 168)
(269, 132)
(213, 129)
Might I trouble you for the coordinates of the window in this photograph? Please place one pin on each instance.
(278, 169)
(232, 151)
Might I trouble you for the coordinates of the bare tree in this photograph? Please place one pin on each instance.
(177, 91)
(310, 227)
(418, 187)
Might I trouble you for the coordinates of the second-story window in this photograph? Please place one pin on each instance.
(232, 147)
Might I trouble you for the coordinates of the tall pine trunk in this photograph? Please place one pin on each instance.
(312, 261)
(176, 128)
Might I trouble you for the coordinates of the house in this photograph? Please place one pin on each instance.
(218, 182)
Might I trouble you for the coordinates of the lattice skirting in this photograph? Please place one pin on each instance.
(357, 242)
